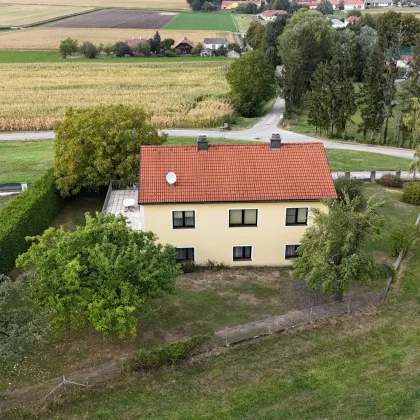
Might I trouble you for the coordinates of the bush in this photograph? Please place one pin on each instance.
(402, 237)
(168, 354)
(30, 213)
(121, 49)
(389, 180)
(352, 186)
(411, 193)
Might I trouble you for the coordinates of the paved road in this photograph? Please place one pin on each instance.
(259, 132)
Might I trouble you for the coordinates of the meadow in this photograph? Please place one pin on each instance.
(47, 38)
(136, 4)
(35, 95)
(203, 21)
(19, 15)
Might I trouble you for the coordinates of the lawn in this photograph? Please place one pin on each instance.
(358, 366)
(27, 161)
(4, 199)
(19, 15)
(201, 21)
(242, 21)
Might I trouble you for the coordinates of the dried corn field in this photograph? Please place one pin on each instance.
(47, 38)
(33, 96)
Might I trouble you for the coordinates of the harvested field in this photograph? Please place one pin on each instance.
(35, 95)
(112, 18)
(20, 15)
(136, 4)
(49, 38)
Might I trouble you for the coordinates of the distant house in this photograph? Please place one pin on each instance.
(135, 42)
(348, 4)
(336, 24)
(372, 4)
(206, 52)
(185, 45)
(229, 5)
(215, 43)
(233, 54)
(271, 14)
(352, 19)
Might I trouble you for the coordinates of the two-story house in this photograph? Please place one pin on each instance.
(241, 204)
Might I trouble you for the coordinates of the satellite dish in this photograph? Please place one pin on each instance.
(171, 178)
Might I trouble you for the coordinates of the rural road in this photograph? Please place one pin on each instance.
(259, 132)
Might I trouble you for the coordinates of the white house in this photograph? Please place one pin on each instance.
(271, 14)
(372, 4)
(338, 24)
(348, 4)
(215, 43)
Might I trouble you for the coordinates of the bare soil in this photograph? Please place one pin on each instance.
(129, 19)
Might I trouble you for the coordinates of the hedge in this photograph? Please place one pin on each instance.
(168, 354)
(29, 214)
(411, 193)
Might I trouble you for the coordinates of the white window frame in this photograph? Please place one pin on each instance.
(195, 219)
(285, 251)
(195, 255)
(244, 226)
(297, 207)
(239, 261)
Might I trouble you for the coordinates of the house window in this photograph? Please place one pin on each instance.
(298, 216)
(185, 254)
(183, 219)
(242, 253)
(291, 251)
(243, 217)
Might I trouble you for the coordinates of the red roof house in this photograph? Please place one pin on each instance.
(135, 42)
(271, 14)
(185, 45)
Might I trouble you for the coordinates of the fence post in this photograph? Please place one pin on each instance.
(372, 176)
(398, 174)
(310, 316)
(227, 344)
(348, 305)
(269, 325)
(347, 174)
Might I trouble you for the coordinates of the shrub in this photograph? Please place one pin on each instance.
(389, 180)
(401, 237)
(168, 354)
(352, 186)
(30, 213)
(411, 193)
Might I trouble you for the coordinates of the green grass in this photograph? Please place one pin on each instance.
(53, 56)
(359, 366)
(242, 21)
(202, 21)
(27, 161)
(4, 199)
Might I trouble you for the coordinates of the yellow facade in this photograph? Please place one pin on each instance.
(233, 5)
(213, 239)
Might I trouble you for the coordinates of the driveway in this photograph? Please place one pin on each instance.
(259, 132)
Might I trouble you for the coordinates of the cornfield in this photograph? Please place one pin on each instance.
(33, 96)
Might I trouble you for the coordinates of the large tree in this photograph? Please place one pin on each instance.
(102, 275)
(255, 35)
(331, 254)
(325, 7)
(96, 145)
(252, 82)
(68, 47)
(304, 43)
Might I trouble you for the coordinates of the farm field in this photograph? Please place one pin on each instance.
(20, 15)
(35, 95)
(47, 38)
(242, 22)
(136, 4)
(203, 21)
(114, 18)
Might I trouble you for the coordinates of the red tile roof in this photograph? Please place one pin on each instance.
(184, 40)
(271, 13)
(229, 173)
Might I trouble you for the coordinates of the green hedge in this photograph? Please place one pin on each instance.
(168, 354)
(30, 213)
(411, 193)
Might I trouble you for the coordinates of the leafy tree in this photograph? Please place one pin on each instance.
(89, 50)
(197, 49)
(22, 326)
(167, 43)
(96, 145)
(412, 121)
(331, 254)
(341, 5)
(325, 7)
(121, 49)
(273, 30)
(208, 7)
(249, 97)
(255, 35)
(366, 40)
(402, 237)
(221, 51)
(305, 43)
(196, 5)
(101, 275)
(233, 46)
(108, 49)
(351, 188)
(143, 49)
(155, 43)
(68, 47)
(281, 5)
(247, 9)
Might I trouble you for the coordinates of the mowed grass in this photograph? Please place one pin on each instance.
(242, 21)
(362, 365)
(26, 161)
(202, 21)
(19, 15)
(34, 95)
(135, 4)
(48, 38)
(53, 57)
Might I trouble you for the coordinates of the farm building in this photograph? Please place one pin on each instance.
(215, 43)
(135, 42)
(206, 52)
(185, 45)
(348, 4)
(372, 4)
(233, 54)
(229, 5)
(271, 14)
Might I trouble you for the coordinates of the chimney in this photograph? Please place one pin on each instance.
(202, 143)
(275, 141)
